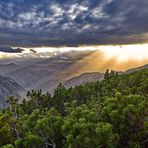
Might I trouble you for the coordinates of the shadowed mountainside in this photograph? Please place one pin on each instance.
(8, 87)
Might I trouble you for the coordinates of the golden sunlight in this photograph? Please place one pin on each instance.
(120, 52)
(125, 53)
(117, 57)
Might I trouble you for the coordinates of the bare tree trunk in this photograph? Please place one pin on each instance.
(53, 145)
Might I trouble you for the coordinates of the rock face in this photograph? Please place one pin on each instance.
(86, 77)
(8, 87)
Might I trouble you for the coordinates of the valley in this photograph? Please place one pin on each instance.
(68, 68)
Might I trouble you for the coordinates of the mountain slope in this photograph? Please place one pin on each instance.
(29, 76)
(83, 78)
(136, 69)
(8, 87)
(6, 68)
(95, 76)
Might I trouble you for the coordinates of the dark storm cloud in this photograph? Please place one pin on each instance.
(72, 22)
(10, 50)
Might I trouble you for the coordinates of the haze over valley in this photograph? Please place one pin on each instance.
(46, 67)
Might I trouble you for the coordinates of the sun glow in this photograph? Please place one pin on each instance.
(116, 57)
(126, 52)
(122, 53)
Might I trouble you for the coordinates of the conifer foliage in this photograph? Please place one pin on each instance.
(111, 113)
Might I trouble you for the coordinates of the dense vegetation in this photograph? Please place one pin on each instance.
(112, 113)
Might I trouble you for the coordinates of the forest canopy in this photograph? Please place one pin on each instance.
(111, 113)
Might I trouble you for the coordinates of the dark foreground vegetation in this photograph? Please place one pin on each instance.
(112, 113)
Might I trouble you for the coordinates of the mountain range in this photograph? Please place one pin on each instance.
(95, 76)
(19, 77)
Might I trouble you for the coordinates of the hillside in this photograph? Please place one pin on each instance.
(108, 113)
(6, 68)
(8, 87)
(83, 78)
(137, 69)
(95, 76)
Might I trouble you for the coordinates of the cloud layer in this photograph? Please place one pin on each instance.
(72, 22)
(10, 50)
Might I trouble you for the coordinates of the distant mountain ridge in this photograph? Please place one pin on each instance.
(95, 76)
(8, 87)
(136, 69)
(83, 78)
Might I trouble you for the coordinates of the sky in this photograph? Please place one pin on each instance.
(115, 30)
(35, 23)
